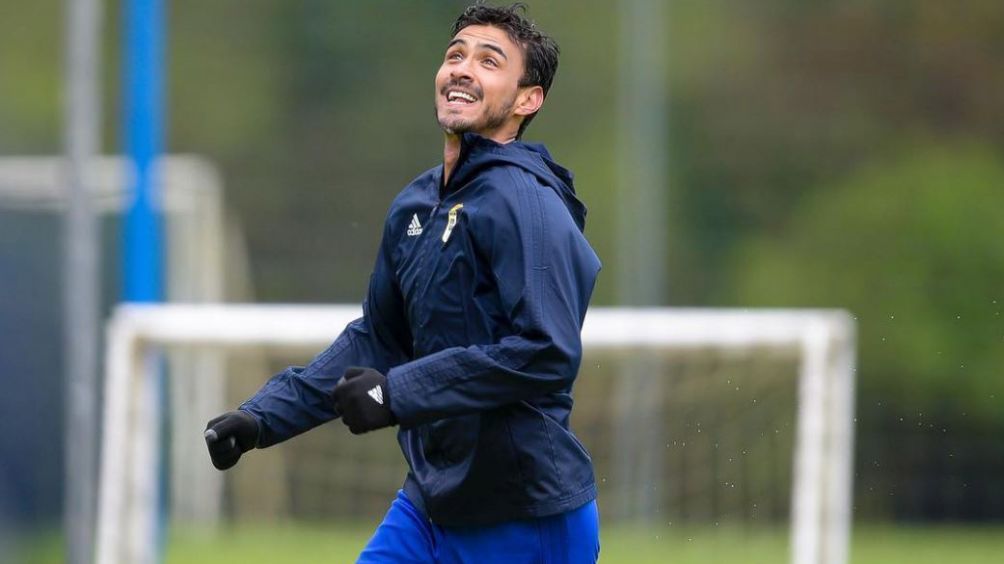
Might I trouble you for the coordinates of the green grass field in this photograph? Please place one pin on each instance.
(339, 543)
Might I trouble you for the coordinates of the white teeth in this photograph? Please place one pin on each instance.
(453, 95)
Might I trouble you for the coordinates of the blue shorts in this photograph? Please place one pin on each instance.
(407, 536)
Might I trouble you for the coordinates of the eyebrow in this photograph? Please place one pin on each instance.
(495, 48)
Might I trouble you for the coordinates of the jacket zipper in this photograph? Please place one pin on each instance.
(428, 262)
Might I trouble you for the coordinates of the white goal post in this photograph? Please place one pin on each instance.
(825, 340)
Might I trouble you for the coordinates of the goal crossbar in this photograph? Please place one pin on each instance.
(825, 340)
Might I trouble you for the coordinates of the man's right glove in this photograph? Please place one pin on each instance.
(229, 436)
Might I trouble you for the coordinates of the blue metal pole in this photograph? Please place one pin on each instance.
(143, 248)
(144, 101)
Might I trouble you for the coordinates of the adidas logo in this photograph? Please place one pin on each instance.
(414, 229)
(377, 392)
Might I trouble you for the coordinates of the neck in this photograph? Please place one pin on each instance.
(451, 146)
(451, 153)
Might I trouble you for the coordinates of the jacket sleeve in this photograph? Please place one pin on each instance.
(544, 270)
(299, 398)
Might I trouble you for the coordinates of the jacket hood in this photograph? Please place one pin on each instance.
(478, 153)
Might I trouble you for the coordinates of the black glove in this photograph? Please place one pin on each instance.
(229, 436)
(361, 397)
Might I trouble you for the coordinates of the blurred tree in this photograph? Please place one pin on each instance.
(915, 249)
(771, 100)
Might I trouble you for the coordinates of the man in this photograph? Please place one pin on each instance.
(470, 335)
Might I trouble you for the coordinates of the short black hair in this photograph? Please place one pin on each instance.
(540, 52)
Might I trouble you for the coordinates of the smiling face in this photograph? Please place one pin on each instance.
(477, 86)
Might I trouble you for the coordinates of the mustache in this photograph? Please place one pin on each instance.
(462, 85)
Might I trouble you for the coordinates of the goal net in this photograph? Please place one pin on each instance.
(708, 424)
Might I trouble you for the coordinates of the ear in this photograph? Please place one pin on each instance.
(529, 101)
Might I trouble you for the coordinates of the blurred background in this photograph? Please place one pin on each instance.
(800, 154)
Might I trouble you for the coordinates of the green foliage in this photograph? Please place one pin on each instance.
(29, 76)
(915, 249)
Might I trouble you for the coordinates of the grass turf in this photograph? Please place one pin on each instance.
(339, 543)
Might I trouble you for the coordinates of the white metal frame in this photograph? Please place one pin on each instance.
(821, 494)
(196, 247)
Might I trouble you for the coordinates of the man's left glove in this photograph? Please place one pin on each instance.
(361, 398)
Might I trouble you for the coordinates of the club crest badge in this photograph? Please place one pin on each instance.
(451, 221)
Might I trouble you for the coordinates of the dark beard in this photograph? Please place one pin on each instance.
(490, 121)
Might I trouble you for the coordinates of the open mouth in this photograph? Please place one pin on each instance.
(460, 97)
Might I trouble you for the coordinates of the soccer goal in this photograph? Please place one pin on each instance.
(699, 419)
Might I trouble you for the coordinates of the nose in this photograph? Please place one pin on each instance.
(461, 71)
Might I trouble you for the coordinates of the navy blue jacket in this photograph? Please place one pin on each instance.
(474, 313)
